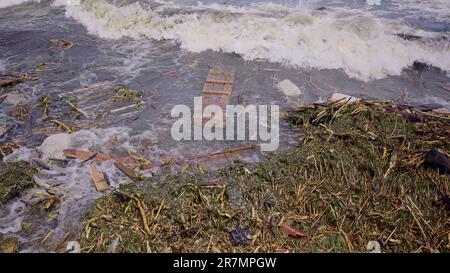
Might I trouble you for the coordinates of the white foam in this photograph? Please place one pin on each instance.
(360, 44)
(8, 3)
(9, 219)
(23, 153)
(373, 2)
(2, 66)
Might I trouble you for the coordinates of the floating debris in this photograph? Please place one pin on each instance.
(86, 102)
(15, 177)
(44, 104)
(14, 98)
(19, 112)
(128, 172)
(79, 154)
(41, 164)
(289, 89)
(169, 73)
(10, 80)
(100, 182)
(217, 90)
(5, 130)
(78, 126)
(62, 44)
(7, 148)
(41, 67)
(343, 98)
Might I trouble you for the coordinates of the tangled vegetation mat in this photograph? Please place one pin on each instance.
(365, 176)
(358, 180)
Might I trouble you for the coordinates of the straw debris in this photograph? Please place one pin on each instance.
(15, 177)
(356, 177)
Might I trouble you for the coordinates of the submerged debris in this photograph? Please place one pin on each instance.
(10, 79)
(13, 98)
(62, 44)
(19, 112)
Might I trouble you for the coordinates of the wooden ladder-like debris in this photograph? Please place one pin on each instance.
(218, 88)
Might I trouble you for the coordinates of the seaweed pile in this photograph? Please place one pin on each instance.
(357, 179)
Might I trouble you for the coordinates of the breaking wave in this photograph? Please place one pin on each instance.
(363, 45)
(7, 3)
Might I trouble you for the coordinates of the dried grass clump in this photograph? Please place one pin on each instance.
(15, 177)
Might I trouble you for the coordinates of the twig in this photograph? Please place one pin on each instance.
(314, 85)
(228, 151)
(88, 159)
(64, 239)
(140, 208)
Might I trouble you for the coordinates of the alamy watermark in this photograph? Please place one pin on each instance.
(212, 123)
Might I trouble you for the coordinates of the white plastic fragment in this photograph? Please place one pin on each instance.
(343, 97)
(73, 247)
(374, 247)
(54, 145)
(288, 88)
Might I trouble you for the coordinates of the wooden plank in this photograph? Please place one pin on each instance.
(98, 178)
(220, 75)
(127, 171)
(216, 93)
(218, 88)
(79, 154)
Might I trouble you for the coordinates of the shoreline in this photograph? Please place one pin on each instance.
(369, 169)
